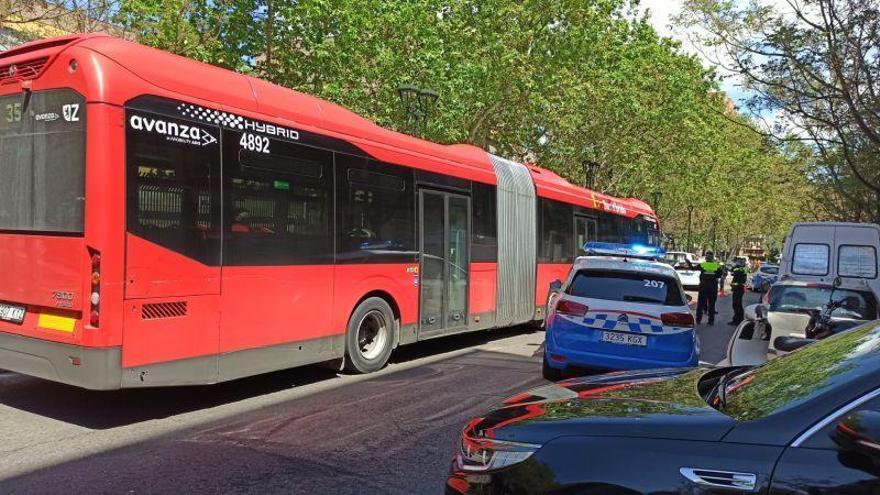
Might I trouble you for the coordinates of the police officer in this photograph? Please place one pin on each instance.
(710, 272)
(738, 288)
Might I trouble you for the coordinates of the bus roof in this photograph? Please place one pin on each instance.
(165, 74)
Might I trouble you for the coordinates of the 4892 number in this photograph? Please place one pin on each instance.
(252, 142)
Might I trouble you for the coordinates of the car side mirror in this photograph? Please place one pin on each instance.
(751, 312)
(556, 285)
(689, 298)
(859, 432)
(759, 311)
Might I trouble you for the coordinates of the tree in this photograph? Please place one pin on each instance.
(817, 65)
(76, 16)
(554, 82)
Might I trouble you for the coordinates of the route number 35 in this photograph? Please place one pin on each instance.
(656, 284)
(13, 112)
(252, 142)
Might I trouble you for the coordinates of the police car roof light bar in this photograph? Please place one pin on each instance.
(595, 248)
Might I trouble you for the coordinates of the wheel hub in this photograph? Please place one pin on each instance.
(372, 334)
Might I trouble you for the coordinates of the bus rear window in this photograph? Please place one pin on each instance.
(42, 162)
(632, 287)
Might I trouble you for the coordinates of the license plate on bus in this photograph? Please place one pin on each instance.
(624, 338)
(15, 314)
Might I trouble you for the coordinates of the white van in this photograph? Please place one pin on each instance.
(818, 252)
(814, 255)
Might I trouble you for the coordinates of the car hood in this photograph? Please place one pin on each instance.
(646, 404)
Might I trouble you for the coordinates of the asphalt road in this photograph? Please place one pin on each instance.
(306, 430)
(714, 339)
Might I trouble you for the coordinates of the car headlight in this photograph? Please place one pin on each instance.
(486, 454)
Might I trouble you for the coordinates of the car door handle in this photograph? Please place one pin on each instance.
(723, 479)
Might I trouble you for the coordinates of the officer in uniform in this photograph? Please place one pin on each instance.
(710, 272)
(738, 288)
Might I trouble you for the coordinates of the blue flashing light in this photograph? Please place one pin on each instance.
(624, 250)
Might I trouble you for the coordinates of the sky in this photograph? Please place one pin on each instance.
(662, 12)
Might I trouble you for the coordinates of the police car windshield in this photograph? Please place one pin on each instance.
(611, 285)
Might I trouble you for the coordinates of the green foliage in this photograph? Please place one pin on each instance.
(554, 82)
(814, 65)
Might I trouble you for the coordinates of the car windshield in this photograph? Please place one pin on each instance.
(801, 376)
(611, 285)
(797, 298)
(770, 270)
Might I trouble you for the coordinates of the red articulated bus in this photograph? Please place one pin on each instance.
(166, 222)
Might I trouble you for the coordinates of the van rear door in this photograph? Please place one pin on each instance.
(819, 252)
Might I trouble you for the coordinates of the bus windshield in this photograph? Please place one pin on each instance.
(42, 162)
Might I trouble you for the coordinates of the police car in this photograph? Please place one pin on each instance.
(619, 309)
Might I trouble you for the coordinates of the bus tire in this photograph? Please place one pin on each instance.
(369, 338)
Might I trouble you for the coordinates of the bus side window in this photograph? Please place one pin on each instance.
(278, 203)
(172, 199)
(376, 217)
(485, 229)
(556, 236)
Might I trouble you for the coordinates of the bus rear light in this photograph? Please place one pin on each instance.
(677, 319)
(571, 308)
(95, 296)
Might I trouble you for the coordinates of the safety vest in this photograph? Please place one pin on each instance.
(710, 267)
(740, 275)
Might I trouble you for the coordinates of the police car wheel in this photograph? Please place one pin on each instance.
(370, 336)
(549, 372)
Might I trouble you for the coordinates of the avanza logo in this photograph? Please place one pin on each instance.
(180, 133)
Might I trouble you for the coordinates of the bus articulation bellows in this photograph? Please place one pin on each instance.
(166, 222)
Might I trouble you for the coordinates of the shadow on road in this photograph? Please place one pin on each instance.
(110, 409)
(390, 433)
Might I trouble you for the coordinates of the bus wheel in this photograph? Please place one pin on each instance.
(370, 336)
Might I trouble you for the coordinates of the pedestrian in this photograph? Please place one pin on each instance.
(710, 271)
(738, 288)
(721, 278)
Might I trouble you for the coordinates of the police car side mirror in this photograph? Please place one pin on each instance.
(556, 285)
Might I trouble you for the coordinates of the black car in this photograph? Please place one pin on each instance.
(808, 422)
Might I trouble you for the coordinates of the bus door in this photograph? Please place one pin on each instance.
(585, 230)
(445, 260)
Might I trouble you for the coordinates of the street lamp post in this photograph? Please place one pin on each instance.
(591, 169)
(417, 105)
(690, 216)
